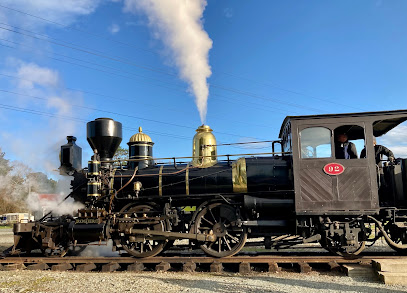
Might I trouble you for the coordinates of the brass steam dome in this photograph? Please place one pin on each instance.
(140, 136)
(204, 150)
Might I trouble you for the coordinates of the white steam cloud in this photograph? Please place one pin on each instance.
(40, 203)
(55, 202)
(178, 23)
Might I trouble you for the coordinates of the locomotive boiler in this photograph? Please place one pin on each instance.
(218, 201)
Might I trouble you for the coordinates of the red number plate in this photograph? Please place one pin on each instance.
(334, 169)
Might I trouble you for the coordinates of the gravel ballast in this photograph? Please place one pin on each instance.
(47, 281)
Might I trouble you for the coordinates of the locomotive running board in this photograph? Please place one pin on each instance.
(175, 235)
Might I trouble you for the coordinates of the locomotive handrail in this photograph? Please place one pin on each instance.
(191, 157)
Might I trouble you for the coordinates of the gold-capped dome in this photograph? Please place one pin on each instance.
(140, 136)
(204, 128)
(204, 152)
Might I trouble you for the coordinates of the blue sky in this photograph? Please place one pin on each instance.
(63, 64)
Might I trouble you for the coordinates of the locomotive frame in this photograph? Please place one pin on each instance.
(141, 207)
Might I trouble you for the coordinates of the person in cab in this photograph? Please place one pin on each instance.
(379, 152)
(344, 149)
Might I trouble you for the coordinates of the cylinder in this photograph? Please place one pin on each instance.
(86, 230)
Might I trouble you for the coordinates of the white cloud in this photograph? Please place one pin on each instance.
(64, 12)
(228, 12)
(396, 140)
(399, 151)
(31, 74)
(396, 135)
(49, 133)
(62, 106)
(113, 28)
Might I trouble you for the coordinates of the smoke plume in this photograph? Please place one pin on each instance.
(53, 202)
(178, 23)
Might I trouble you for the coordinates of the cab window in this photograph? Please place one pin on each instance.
(349, 141)
(315, 142)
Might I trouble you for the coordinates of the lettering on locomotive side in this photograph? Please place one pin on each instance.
(334, 169)
(87, 221)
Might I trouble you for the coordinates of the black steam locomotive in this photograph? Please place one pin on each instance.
(217, 202)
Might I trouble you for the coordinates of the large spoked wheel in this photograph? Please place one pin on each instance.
(334, 244)
(398, 236)
(220, 220)
(143, 245)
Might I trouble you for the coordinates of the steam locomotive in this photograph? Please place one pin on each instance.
(218, 202)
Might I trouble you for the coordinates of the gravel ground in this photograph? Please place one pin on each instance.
(47, 281)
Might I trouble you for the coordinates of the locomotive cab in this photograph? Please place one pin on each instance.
(325, 181)
(337, 191)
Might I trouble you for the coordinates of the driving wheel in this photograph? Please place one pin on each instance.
(220, 219)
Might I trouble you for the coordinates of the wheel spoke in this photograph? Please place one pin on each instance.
(210, 211)
(227, 243)
(210, 223)
(232, 237)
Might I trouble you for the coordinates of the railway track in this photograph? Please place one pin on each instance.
(241, 264)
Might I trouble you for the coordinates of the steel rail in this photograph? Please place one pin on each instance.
(197, 259)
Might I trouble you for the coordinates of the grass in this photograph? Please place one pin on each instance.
(6, 227)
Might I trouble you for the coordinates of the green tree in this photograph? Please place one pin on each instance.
(121, 154)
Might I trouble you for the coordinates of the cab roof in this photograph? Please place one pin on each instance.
(383, 121)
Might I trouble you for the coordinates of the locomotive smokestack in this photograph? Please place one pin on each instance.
(104, 135)
(204, 150)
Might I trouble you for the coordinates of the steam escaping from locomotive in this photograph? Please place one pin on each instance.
(178, 24)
